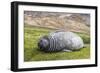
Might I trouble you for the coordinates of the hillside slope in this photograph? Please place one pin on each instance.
(59, 21)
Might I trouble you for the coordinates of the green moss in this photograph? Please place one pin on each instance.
(32, 52)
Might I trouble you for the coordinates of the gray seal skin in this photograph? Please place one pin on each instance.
(60, 41)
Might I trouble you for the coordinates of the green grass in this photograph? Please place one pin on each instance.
(32, 52)
(85, 37)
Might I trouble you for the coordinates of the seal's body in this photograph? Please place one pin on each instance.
(60, 41)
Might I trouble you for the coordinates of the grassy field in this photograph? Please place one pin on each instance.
(32, 52)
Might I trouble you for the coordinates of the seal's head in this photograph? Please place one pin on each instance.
(43, 43)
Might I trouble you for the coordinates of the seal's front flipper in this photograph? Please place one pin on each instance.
(66, 50)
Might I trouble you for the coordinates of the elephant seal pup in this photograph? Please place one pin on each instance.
(60, 41)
